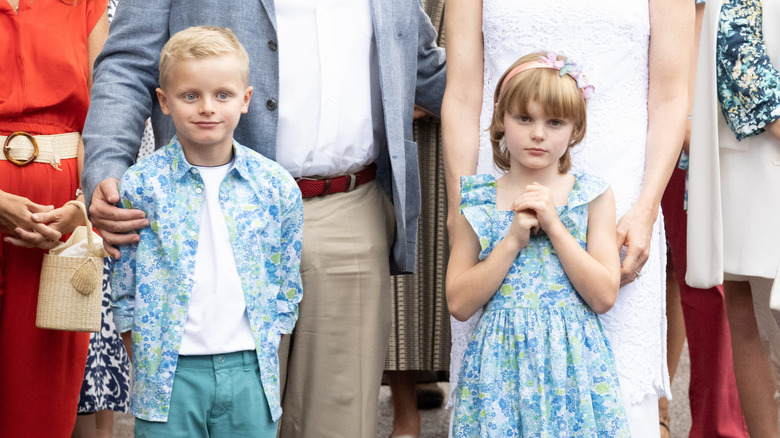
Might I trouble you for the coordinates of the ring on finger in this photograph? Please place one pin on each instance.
(638, 273)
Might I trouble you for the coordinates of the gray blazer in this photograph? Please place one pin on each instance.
(411, 70)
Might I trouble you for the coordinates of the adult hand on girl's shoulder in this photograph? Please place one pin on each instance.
(539, 199)
(634, 231)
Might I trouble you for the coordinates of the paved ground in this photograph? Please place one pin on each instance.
(434, 422)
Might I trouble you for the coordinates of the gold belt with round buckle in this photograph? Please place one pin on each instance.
(7, 149)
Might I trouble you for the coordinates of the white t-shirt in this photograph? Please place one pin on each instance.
(216, 319)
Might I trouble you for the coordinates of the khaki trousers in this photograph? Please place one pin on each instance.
(338, 347)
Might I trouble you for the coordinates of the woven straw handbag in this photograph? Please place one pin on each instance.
(70, 294)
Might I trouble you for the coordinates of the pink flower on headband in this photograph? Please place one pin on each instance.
(570, 68)
(564, 67)
(552, 60)
(587, 91)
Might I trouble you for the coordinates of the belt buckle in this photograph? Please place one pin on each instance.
(7, 149)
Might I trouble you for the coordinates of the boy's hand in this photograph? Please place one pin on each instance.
(114, 224)
(539, 199)
(523, 223)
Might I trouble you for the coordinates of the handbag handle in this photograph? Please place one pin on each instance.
(83, 208)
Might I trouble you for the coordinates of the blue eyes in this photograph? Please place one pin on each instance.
(223, 95)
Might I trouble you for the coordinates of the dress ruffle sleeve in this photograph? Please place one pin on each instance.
(478, 204)
(586, 188)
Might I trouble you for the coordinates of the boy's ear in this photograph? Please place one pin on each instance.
(163, 101)
(247, 98)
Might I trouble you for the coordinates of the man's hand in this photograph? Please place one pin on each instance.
(116, 225)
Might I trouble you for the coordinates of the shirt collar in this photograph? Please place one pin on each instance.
(180, 166)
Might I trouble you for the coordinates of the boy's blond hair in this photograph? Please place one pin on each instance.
(558, 96)
(200, 42)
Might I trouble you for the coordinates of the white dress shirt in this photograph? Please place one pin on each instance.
(330, 119)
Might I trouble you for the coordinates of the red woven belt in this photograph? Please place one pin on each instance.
(342, 183)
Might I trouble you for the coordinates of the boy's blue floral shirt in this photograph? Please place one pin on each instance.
(153, 279)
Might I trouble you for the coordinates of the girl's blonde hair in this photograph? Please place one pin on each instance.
(558, 96)
(200, 42)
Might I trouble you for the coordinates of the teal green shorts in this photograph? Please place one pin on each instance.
(218, 395)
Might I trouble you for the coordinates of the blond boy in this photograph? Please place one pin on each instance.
(214, 281)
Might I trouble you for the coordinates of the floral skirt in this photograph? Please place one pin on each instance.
(546, 372)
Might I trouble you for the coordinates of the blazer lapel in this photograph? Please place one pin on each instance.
(270, 11)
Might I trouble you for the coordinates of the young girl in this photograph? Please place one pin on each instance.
(542, 259)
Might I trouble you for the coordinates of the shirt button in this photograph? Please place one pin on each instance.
(776, 161)
(272, 45)
(199, 190)
(270, 104)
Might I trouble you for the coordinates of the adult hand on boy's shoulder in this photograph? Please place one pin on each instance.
(114, 224)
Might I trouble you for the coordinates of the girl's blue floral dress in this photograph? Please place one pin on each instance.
(538, 363)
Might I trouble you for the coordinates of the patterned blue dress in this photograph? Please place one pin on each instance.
(538, 363)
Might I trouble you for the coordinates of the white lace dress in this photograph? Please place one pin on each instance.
(609, 39)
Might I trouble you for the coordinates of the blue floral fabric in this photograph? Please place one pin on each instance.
(748, 83)
(538, 363)
(153, 279)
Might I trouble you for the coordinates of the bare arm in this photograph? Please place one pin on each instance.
(462, 101)
(471, 282)
(671, 23)
(594, 273)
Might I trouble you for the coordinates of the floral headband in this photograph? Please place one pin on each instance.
(566, 67)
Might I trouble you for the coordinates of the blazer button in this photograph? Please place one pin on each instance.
(272, 45)
(270, 104)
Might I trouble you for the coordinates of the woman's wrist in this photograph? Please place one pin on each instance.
(79, 216)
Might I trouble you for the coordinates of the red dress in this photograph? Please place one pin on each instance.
(43, 90)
